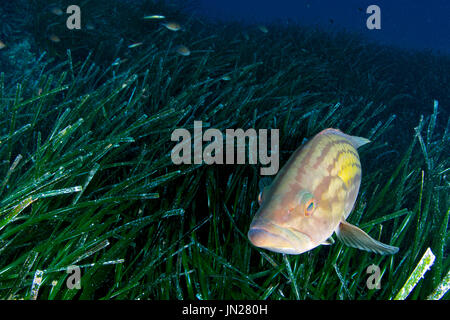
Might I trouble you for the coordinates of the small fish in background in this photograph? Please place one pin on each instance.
(144, 94)
(154, 17)
(90, 26)
(135, 45)
(172, 26)
(183, 50)
(263, 29)
(226, 78)
(54, 38)
(331, 21)
(119, 61)
(2, 45)
(311, 198)
(57, 11)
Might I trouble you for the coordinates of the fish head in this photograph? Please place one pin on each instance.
(279, 225)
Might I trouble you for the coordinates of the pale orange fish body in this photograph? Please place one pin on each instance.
(311, 197)
(183, 50)
(172, 26)
(54, 38)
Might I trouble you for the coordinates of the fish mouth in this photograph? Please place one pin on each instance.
(278, 239)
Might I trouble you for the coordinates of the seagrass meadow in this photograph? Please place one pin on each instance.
(86, 176)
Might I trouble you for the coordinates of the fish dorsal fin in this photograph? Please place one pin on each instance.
(353, 236)
(358, 141)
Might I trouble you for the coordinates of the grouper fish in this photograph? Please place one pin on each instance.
(311, 198)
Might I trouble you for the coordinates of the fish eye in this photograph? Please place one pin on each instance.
(310, 207)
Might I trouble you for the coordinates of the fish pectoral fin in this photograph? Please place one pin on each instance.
(264, 186)
(353, 236)
(327, 242)
(264, 183)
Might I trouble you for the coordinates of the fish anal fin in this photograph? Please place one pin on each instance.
(354, 237)
(328, 242)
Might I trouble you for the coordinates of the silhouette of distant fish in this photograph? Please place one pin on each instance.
(54, 38)
(134, 45)
(263, 29)
(172, 26)
(154, 17)
(57, 11)
(183, 50)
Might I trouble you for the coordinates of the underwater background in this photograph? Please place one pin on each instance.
(87, 179)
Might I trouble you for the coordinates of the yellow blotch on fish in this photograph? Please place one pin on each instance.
(183, 50)
(311, 198)
(172, 26)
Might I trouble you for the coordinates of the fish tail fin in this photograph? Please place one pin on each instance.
(353, 236)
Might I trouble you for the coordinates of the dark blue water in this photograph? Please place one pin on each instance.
(416, 24)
